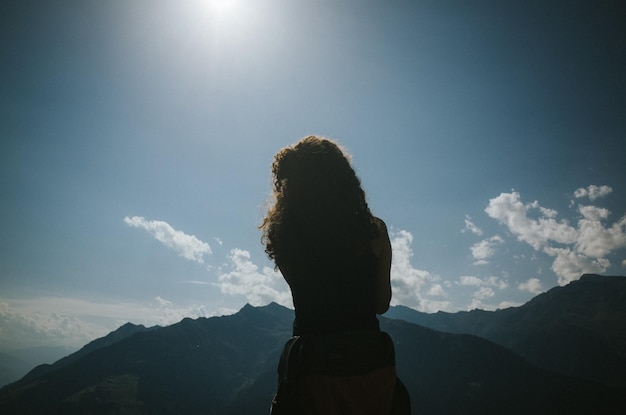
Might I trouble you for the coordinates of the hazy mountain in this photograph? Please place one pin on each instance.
(195, 366)
(578, 329)
(121, 333)
(16, 363)
(12, 368)
(226, 365)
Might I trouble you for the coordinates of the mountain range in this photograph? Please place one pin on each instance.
(562, 352)
(578, 330)
(15, 363)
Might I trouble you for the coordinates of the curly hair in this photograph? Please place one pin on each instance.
(319, 211)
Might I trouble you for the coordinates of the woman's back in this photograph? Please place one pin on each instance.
(336, 257)
(334, 296)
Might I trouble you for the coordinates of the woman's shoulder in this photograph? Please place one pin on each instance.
(380, 243)
(380, 224)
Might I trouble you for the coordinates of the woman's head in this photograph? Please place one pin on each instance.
(319, 204)
(312, 170)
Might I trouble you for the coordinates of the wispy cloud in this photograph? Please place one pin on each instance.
(187, 246)
(199, 282)
(473, 281)
(166, 312)
(576, 249)
(484, 292)
(72, 322)
(470, 226)
(592, 192)
(21, 328)
(470, 280)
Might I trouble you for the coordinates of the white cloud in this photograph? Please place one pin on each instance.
(569, 265)
(481, 251)
(469, 225)
(624, 263)
(509, 210)
(436, 291)
(470, 280)
(485, 249)
(595, 240)
(592, 192)
(163, 302)
(197, 282)
(548, 213)
(508, 304)
(484, 289)
(484, 293)
(71, 322)
(409, 285)
(187, 246)
(258, 287)
(593, 213)
(533, 286)
(576, 249)
(473, 281)
(496, 282)
(166, 312)
(34, 328)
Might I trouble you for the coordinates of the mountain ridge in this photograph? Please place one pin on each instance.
(557, 330)
(227, 365)
(120, 333)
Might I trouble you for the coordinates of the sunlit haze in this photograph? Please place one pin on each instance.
(137, 138)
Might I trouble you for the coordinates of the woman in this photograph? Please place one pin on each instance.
(336, 257)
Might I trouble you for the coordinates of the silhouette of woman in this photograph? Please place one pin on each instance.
(336, 257)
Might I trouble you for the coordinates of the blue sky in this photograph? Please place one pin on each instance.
(136, 139)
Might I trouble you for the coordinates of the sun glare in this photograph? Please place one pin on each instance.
(223, 7)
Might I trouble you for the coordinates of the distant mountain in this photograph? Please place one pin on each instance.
(578, 329)
(16, 363)
(227, 365)
(463, 374)
(121, 333)
(11, 368)
(195, 366)
(34, 361)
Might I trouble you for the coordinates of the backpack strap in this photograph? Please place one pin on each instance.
(331, 372)
(285, 400)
